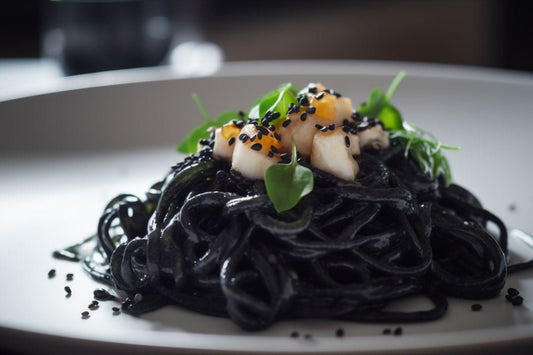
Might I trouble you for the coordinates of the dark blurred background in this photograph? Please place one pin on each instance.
(88, 36)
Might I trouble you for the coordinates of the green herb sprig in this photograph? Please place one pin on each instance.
(423, 146)
(426, 150)
(286, 184)
(278, 101)
(189, 144)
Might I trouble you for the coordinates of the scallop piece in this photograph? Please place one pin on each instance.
(225, 139)
(351, 141)
(330, 154)
(375, 137)
(252, 157)
(330, 107)
(301, 131)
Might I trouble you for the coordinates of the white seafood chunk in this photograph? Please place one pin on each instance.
(330, 154)
(301, 131)
(222, 149)
(374, 137)
(250, 158)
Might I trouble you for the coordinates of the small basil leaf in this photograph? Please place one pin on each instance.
(391, 118)
(189, 144)
(268, 103)
(275, 101)
(374, 105)
(286, 184)
(225, 117)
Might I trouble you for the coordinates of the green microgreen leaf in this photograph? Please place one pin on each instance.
(391, 118)
(201, 107)
(275, 101)
(378, 104)
(374, 105)
(395, 82)
(189, 144)
(286, 184)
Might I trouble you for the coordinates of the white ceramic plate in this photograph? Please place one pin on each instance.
(65, 153)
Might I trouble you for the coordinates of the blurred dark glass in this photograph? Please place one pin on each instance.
(91, 35)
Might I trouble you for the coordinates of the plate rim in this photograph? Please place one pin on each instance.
(434, 71)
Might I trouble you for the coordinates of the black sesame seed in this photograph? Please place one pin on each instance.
(85, 314)
(295, 334)
(319, 96)
(312, 89)
(303, 116)
(68, 290)
(387, 331)
(259, 135)
(262, 129)
(243, 137)
(509, 298)
(347, 141)
(271, 128)
(513, 291)
(241, 113)
(398, 331)
(102, 295)
(257, 146)
(275, 115)
(318, 126)
(285, 157)
(324, 129)
(70, 277)
(231, 141)
(51, 273)
(274, 149)
(293, 108)
(308, 336)
(304, 101)
(356, 116)
(517, 301)
(331, 127)
(286, 123)
(311, 110)
(252, 138)
(345, 129)
(116, 309)
(270, 154)
(204, 141)
(476, 307)
(276, 135)
(339, 333)
(137, 298)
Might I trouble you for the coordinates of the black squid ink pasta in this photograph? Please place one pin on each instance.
(211, 239)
